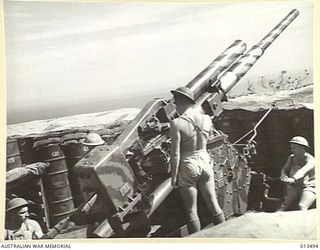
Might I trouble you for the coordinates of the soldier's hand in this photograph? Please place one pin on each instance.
(288, 180)
(68, 228)
(38, 168)
(284, 178)
(291, 180)
(42, 167)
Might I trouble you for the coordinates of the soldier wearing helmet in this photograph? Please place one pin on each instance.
(299, 175)
(93, 140)
(191, 167)
(18, 225)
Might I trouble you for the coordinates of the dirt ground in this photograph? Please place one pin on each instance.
(294, 225)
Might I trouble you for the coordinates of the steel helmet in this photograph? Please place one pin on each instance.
(300, 141)
(93, 139)
(16, 203)
(184, 91)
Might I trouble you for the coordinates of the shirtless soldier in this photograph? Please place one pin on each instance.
(19, 226)
(191, 167)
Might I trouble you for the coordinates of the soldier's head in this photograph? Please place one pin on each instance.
(17, 210)
(299, 145)
(183, 98)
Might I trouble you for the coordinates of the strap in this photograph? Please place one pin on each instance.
(195, 125)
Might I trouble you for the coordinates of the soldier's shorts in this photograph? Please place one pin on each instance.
(195, 168)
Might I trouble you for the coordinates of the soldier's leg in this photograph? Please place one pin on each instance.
(208, 192)
(291, 197)
(306, 200)
(189, 199)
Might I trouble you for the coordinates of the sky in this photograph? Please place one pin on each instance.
(60, 54)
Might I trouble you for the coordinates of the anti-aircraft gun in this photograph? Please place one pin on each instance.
(131, 177)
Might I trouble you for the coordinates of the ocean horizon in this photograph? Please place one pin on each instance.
(28, 114)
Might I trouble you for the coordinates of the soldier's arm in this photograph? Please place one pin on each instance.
(37, 229)
(285, 169)
(16, 176)
(305, 169)
(209, 125)
(174, 151)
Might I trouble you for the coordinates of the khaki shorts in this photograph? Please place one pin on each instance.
(195, 168)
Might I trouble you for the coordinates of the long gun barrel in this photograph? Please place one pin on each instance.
(211, 102)
(243, 65)
(210, 74)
